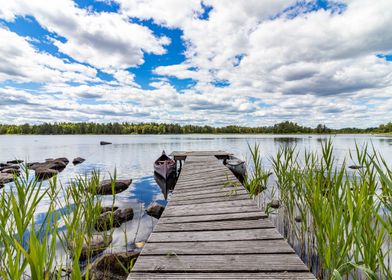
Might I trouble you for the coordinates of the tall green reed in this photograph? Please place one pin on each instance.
(338, 209)
(28, 249)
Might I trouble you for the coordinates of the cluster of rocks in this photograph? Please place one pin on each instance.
(51, 167)
(8, 171)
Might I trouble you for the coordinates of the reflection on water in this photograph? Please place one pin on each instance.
(166, 185)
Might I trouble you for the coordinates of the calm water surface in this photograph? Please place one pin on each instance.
(132, 156)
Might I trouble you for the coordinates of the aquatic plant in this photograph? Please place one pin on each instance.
(256, 178)
(28, 248)
(337, 214)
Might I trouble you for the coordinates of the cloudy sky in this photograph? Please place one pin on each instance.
(254, 62)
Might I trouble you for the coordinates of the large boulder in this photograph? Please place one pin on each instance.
(105, 187)
(45, 173)
(117, 217)
(78, 160)
(111, 266)
(54, 164)
(155, 210)
(98, 244)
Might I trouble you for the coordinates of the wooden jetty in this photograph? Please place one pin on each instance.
(211, 229)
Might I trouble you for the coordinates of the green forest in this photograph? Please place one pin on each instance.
(162, 128)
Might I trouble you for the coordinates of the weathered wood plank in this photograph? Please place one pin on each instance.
(222, 225)
(226, 194)
(219, 248)
(223, 235)
(223, 275)
(207, 200)
(172, 211)
(217, 263)
(205, 184)
(223, 191)
(221, 204)
(214, 217)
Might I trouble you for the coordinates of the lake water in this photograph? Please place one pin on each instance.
(132, 156)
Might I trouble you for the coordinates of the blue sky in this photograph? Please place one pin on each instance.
(200, 62)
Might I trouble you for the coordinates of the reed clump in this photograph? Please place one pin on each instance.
(28, 247)
(340, 217)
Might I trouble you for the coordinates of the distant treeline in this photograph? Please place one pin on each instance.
(162, 128)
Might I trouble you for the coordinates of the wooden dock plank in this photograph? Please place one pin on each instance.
(218, 263)
(223, 275)
(214, 217)
(211, 231)
(221, 225)
(218, 248)
(207, 200)
(173, 211)
(223, 235)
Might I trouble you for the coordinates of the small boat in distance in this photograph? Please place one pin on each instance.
(237, 166)
(165, 166)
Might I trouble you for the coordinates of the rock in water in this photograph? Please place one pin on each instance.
(117, 217)
(105, 187)
(6, 178)
(11, 171)
(108, 208)
(111, 266)
(16, 161)
(98, 244)
(78, 160)
(104, 143)
(14, 167)
(298, 218)
(45, 173)
(355, 166)
(275, 203)
(155, 210)
(62, 159)
(52, 164)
